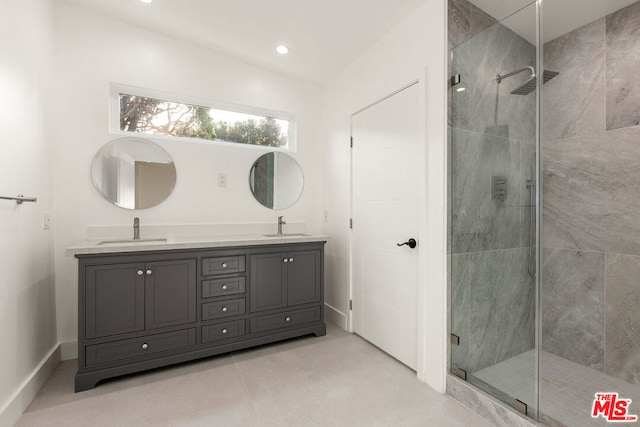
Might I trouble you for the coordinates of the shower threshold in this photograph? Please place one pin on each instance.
(567, 389)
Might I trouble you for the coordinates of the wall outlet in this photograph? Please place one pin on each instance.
(46, 221)
(223, 179)
(326, 216)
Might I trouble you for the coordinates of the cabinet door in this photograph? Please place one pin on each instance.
(114, 299)
(170, 293)
(304, 277)
(268, 281)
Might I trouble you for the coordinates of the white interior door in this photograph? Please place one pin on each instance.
(385, 159)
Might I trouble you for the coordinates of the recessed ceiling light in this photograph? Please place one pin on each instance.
(146, 1)
(282, 49)
(460, 89)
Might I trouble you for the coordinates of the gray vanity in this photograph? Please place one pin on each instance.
(143, 306)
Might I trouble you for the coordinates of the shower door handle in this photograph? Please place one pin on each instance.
(411, 243)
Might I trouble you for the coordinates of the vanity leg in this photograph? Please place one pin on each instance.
(85, 382)
(321, 330)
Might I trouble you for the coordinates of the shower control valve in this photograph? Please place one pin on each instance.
(499, 188)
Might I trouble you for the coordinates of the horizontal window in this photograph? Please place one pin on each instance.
(141, 113)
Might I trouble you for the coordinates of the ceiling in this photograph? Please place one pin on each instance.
(323, 36)
(559, 16)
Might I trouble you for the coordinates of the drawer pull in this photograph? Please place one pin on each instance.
(290, 259)
(140, 272)
(224, 309)
(287, 319)
(224, 265)
(149, 272)
(145, 346)
(224, 331)
(224, 287)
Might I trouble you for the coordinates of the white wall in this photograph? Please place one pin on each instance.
(92, 50)
(414, 50)
(27, 297)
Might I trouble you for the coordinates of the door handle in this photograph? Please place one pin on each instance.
(411, 243)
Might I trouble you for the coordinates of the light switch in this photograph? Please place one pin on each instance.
(222, 179)
(326, 216)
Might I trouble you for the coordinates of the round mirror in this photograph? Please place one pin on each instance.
(133, 173)
(276, 180)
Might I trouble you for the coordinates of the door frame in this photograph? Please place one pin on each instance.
(425, 247)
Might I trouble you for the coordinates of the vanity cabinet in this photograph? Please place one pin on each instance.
(285, 279)
(144, 296)
(143, 310)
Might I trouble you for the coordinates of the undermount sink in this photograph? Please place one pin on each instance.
(132, 241)
(286, 235)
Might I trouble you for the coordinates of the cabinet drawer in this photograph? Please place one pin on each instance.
(221, 287)
(223, 331)
(223, 265)
(285, 319)
(121, 350)
(219, 309)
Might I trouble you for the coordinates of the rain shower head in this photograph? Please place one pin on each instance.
(530, 85)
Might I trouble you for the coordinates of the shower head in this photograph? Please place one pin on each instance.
(530, 85)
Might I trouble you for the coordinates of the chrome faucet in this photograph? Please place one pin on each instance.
(136, 228)
(281, 222)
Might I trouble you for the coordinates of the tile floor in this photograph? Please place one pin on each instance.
(336, 380)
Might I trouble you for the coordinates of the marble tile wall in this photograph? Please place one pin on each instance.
(591, 196)
(491, 133)
(492, 307)
(459, 282)
(487, 106)
(479, 222)
(573, 99)
(501, 307)
(623, 317)
(465, 21)
(575, 330)
(623, 61)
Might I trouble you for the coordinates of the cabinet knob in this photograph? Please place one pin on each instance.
(148, 272)
(224, 265)
(224, 287)
(224, 331)
(145, 346)
(140, 272)
(224, 309)
(285, 260)
(290, 259)
(287, 319)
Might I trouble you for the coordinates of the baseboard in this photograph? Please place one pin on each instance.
(336, 316)
(69, 350)
(20, 400)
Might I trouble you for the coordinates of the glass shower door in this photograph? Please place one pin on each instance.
(493, 210)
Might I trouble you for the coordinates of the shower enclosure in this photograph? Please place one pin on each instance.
(493, 210)
(544, 206)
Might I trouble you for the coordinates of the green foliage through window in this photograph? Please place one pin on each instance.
(159, 117)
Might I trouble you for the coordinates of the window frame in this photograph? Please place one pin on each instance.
(115, 89)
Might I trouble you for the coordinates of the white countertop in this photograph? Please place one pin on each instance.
(195, 242)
